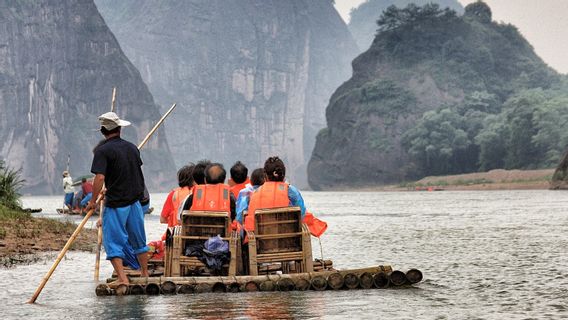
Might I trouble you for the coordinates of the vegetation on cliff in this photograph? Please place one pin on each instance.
(363, 21)
(473, 96)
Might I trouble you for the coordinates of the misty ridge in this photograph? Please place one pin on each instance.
(401, 93)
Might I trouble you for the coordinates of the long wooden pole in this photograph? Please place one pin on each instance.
(112, 104)
(102, 209)
(63, 252)
(99, 243)
(156, 126)
(67, 169)
(86, 218)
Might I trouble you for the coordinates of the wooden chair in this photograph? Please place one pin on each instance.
(196, 228)
(281, 242)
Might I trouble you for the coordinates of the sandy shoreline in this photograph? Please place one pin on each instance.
(498, 179)
(23, 237)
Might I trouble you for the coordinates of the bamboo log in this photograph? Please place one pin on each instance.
(379, 277)
(267, 285)
(397, 278)
(285, 284)
(103, 290)
(366, 280)
(414, 276)
(168, 287)
(351, 281)
(219, 287)
(381, 280)
(121, 290)
(251, 286)
(136, 289)
(152, 289)
(186, 288)
(318, 282)
(234, 287)
(302, 284)
(335, 281)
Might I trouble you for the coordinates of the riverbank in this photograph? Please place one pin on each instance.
(498, 179)
(22, 236)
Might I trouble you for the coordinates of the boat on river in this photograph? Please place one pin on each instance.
(278, 257)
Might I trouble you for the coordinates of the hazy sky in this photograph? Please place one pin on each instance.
(543, 22)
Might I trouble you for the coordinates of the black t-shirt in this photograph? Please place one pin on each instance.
(119, 160)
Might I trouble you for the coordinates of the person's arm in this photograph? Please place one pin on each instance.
(233, 206)
(242, 206)
(98, 167)
(188, 203)
(98, 183)
(168, 208)
(296, 199)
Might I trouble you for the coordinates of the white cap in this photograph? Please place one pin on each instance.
(110, 121)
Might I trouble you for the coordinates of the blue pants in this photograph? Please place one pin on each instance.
(123, 233)
(146, 207)
(69, 199)
(86, 199)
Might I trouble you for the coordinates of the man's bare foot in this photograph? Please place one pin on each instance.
(115, 284)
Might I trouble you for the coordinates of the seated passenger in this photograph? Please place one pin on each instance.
(239, 177)
(274, 193)
(87, 188)
(256, 179)
(175, 198)
(215, 195)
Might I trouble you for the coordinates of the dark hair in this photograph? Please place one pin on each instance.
(239, 172)
(106, 132)
(199, 171)
(257, 177)
(83, 179)
(215, 173)
(275, 169)
(185, 175)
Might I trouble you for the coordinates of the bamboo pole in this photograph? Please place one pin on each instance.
(156, 126)
(86, 218)
(63, 252)
(112, 104)
(99, 243)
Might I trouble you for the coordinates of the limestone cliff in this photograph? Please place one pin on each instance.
(58, 64)
(252, 77)
(424, 59)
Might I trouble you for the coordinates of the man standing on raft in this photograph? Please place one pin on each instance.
(117, 163)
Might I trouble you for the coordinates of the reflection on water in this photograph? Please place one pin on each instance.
(499, 255)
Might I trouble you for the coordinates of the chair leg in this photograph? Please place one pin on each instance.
(253, 266)
(307, 250)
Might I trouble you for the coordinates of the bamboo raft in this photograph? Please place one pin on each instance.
(279, 258)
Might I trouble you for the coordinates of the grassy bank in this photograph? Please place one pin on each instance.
(498, 179)
(22, 234)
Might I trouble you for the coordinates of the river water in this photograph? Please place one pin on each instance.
(484, 255)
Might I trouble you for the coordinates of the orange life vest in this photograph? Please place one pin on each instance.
(236, 188)
(270, 195)
(179, 195)
(211, 197)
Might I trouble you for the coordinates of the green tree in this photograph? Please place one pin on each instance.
(438, 144)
